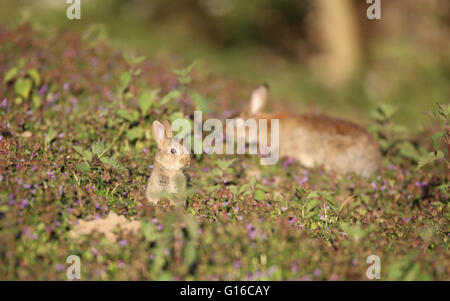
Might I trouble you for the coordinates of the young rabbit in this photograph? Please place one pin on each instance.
(318, 140)
(170, 157)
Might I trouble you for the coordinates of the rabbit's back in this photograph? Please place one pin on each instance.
(335, 144)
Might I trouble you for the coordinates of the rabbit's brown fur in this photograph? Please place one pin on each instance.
(319, 140)
(170, 157)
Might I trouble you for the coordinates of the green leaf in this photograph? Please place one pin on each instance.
(133, 60)
(201, 102)
(146, 99)
(183, 74)
(388, 110)
(407, 150)
(98, 148)
(353, 231)
(111, 161)
(437, 139)
(224, 164)
(83, 167)
(262, 187)
(260, 195)
(174, 94)
(125, 79)
(51, 134)
(36, 101)
(311, 204)
(10, 74)
(243, 188)
(86, 154)
(34, 74)
(176, 115)
(135, 133)
(131, 116)
(22, 87)
(430, 158)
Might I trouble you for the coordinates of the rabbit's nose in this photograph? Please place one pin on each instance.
(184, 161)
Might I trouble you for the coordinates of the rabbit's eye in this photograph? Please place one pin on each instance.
(173, 151)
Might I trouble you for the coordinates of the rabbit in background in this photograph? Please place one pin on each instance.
(170, 158)
(319, 140)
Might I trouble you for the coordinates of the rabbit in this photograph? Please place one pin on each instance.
(170, 158)
(318, 140)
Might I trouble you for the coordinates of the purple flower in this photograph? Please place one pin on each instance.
(374, 185)
(291, 220)
(300, 181)
(24, 203)
(54, 98)
(3, 104)
(123, 242)
(289, 161)
(50, 174)
(205, 169)
(237, 264)
(317, 272)
(160, 227)
(421, 184)
(121, 264)
(43, 90)
(60, 267)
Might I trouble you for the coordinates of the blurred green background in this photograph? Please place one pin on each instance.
(317, 55)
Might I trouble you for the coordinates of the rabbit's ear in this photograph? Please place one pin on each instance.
(168, 129)
(158, 133)
(259, 97)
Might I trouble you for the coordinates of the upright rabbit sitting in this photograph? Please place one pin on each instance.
(318, 140)
(170, 157)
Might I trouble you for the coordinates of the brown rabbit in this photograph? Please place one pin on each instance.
(170, 157)
(318, 140)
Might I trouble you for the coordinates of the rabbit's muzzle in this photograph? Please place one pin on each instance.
(184, 161)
